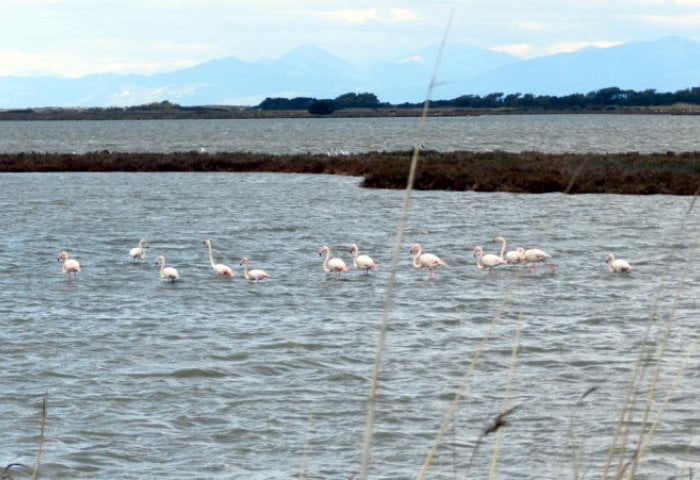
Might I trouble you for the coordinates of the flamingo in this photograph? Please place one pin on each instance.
(511, 256)
(219, 268)
(69, 265)
(139, 252)
(617, 265)
(489, 260)
(534, 255)
(336, 265)
(166, 273)
(422, 260)
(363, 262)
(255, 275)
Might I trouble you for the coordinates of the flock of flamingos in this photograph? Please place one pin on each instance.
(529, 258)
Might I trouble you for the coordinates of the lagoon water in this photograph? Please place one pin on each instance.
(217, 379)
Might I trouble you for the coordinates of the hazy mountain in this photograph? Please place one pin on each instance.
(668, 64)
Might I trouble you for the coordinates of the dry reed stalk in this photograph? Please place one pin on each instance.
(369, 423)
(305, 452)
(40, 452)
(506, 397)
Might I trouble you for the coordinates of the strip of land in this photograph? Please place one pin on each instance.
(632, 173)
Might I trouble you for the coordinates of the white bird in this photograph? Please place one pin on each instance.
(425, 260)
(219, 268)
(511, 256)
(617, 264)
(489, 260)
(166, 273)
(336, 265)
(69, 265)
(139, 252)
(255, 275)
(535, 255)
(363, 262)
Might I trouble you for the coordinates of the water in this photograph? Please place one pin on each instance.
(218, 379)
(549, 133)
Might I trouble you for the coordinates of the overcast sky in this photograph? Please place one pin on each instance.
(77, 37)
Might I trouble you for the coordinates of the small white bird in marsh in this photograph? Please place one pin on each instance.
(363, 262)
(488, 260)
(70, 266)
(255, 275)
(139, 252)
(219, 268)
(425, 260)
(617, 264)
(167, 273)
(335, 265)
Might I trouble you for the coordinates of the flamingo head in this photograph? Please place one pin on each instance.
(415, 247)
(143, 244)
(243, 261)
(207, 243)
(323, 250)
(477, 251)
(353, 248)
(160, 259)
(499, 238)
(62, 255)
(610, 258)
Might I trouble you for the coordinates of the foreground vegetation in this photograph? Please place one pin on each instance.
(528, 172)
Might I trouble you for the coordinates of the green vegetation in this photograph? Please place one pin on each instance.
(498, 171)
(606, 100)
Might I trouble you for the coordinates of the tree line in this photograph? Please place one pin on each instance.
(610, 97)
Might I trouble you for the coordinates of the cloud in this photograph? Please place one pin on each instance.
(684, 20)
(522, 50)
(360, 16)
(565, 47)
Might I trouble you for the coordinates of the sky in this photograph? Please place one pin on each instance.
(73, 38)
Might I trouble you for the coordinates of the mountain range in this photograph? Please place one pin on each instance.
(666, 65)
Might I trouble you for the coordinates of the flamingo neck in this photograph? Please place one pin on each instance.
(325, 262)
(478, 259)
(211, 258)
(416, 263)
(503, 246)
(245, 271)
(356, 253)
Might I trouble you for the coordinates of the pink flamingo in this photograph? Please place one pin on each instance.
(425, 260)
(535, 255)
(167, 273)
(363, 262)
(336, 265)
(617, 265)
(511, 257)
(219, 268)
(69, 265)
(489, 260)
(255, 275)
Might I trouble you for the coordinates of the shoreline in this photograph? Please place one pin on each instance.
(631, 173)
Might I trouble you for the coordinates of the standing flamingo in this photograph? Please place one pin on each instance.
(489, 260)
(336, 265)
(617, 265)
(363, 262)
(219, 268)
(535, 255)
(69, 265)
(139, 252)
(255, 275)
(512, 256)
(425, 260)
(166, 273)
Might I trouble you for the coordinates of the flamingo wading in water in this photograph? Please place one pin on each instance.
(255, 275)
(335, 265)
(219, 268)
(425, 260)
(511, 257)
(489, 260)
(167, 273)
(535, 255)
(617, 264)
(138, 253)
(69, 265)
(363, 262)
